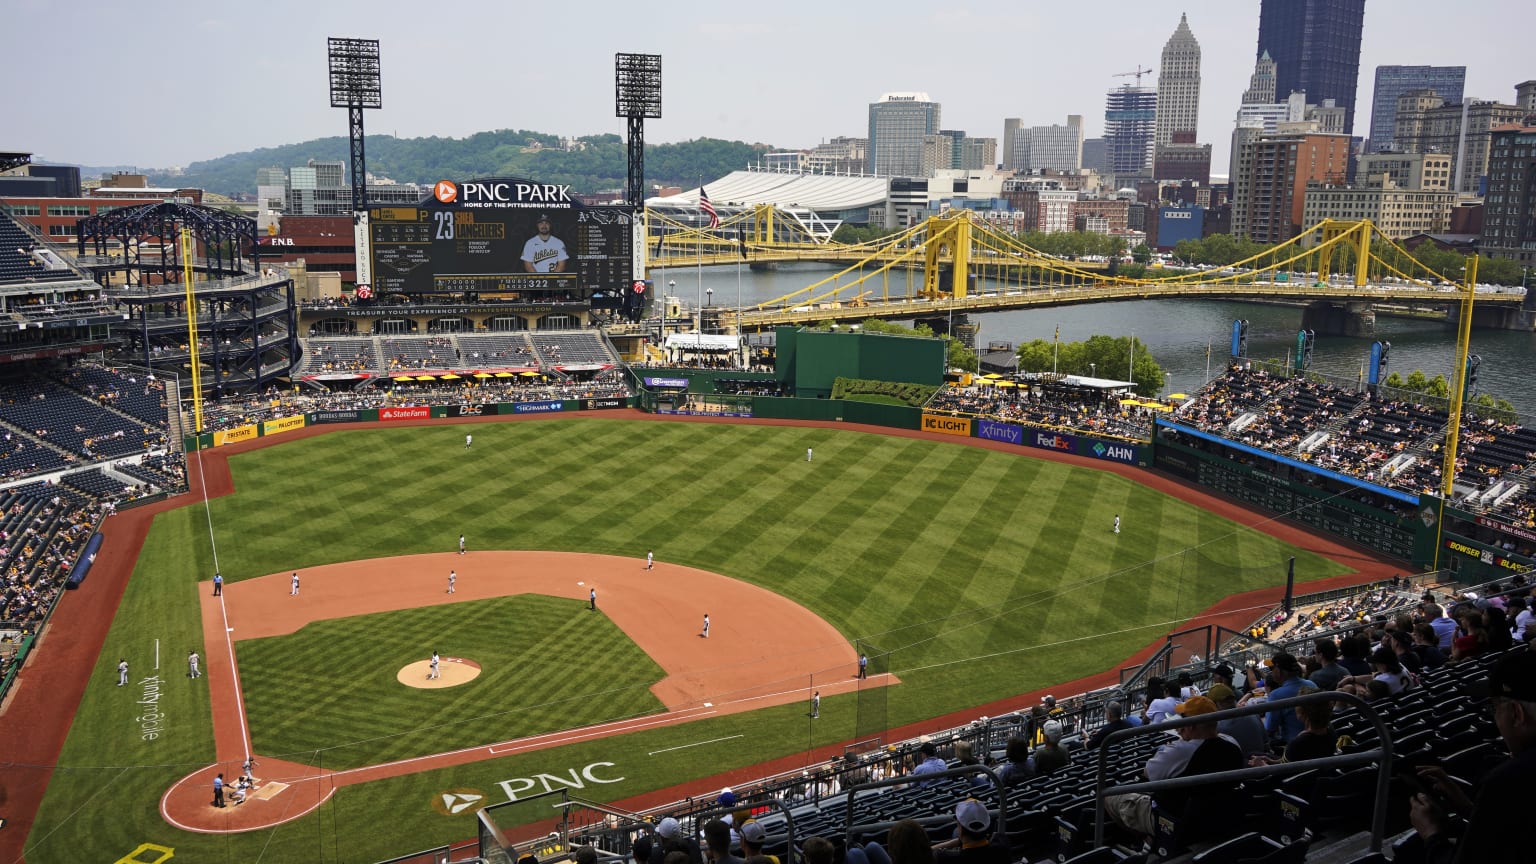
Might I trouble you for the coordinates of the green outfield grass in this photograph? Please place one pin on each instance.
(542, 661)
(984, 573)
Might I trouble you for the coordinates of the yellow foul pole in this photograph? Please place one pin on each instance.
(1458, 388)
(187, 251)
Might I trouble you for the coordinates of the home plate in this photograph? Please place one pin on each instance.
(269, 790)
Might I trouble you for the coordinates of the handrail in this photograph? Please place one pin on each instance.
(1382, 754)
(909, 779)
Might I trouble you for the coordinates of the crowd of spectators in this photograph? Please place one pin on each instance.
(1076, 410)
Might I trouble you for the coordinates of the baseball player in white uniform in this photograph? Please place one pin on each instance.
(453, 577)
(650, 559)
(434, 673)
(192, 670)
(461, 544)
(122, 672)
(544, 252)
(1117, 523)
(468, 440)
(293, 589)
(704, 634)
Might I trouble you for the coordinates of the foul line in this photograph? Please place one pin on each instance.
(695, 744)
(234, 678)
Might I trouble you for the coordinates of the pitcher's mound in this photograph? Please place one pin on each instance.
(452, 671)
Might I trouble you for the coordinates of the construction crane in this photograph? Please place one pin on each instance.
(1137, 74)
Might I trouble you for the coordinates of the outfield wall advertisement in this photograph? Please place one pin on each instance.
(1045, 439)
(945, 425)
(234, 436)
(282, 424)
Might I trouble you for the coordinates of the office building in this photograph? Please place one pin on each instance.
(1430, 172)
(970, 154)
(1261, 85)
(1178, 87)
(1393, 81)
(1035, 149)
(899, 124)
(1426, 123)
(1396, 212)
(1316, 48)
(1096, 155)
(1269, 183)
(1509, 211)
(841, 155)
(1130, 118)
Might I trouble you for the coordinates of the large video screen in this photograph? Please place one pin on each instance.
(507, 237)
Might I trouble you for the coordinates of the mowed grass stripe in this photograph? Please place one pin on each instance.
(853, 536)
(547, 664)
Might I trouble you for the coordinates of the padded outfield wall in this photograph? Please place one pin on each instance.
(813, 359)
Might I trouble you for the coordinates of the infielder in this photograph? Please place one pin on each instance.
(293, 591)
(592, 598)
(650, 559)
(434, 673)
(192, 671)
(704, 634)
(461, 544)
(452, 578)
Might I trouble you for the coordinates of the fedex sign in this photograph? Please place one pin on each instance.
(1049, 441)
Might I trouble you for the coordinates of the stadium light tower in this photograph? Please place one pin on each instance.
(354, 65)
(637, 95)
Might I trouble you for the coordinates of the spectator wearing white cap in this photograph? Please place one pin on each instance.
(1050, 756)
(669, 838)
(973, 842)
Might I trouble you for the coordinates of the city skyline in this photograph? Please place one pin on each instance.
(255, 76)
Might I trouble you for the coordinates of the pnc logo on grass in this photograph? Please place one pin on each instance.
(446, 191)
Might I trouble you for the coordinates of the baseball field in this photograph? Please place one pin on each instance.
(986, 573)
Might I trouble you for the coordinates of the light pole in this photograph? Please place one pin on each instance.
(709, 300)
(1093, 370)
(671, 290)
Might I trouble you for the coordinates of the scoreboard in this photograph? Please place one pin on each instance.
(501, 238)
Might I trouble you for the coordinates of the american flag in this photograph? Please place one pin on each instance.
(708, 208)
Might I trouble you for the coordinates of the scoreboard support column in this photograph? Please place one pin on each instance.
(363, 246)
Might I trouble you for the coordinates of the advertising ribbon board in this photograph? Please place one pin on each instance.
(233, 436)
(543, 407)
(598, 404)
(282, 424)
(335, 417)
(947, 425)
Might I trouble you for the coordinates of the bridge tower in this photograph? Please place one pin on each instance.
(948, 238)
(1358, 236)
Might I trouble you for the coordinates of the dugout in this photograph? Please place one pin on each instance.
(810, 361)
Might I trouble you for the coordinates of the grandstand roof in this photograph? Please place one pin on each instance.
(786, 190)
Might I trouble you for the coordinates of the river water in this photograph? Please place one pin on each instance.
(1178, 331)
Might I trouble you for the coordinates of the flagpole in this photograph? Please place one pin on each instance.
(699, 251)
(1056, 352)
(739, 334)
(1130, 372)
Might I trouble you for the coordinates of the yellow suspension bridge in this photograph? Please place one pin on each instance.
(1349, 267)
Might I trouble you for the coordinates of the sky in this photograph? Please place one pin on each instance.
(162, 83)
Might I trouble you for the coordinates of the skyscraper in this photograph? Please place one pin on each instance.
(1129, 127)
(1316, 48)
(1178, 85)
(1261, 86)
(1448, 82)
(898, 125)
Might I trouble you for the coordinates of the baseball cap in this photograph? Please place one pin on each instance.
(1513, 677)
(1224, 670)
(1052, 730)
(753, 833)
(1285, 662)
(928, 749)
(1048, 700)
(1194, 706)
(1220, 693)
(727, 798)
(973, 816)
(669, 828)
(543, 217)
